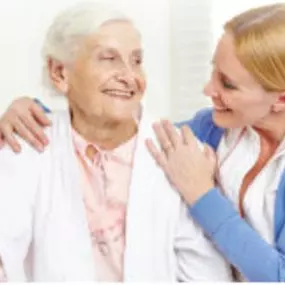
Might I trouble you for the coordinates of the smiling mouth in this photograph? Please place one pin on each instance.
(120, 94)
(221, 109)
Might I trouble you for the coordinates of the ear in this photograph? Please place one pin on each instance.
(279, 105)
(58, 75)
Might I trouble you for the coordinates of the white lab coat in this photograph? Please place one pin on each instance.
(43, 229)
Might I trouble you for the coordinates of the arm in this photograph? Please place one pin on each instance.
(198, 260)
(25, 117)
(194, 179)
(239, 243)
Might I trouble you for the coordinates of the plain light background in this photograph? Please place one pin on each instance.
(178, 36)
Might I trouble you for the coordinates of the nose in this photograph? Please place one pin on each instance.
(127, 76)
(210, 90)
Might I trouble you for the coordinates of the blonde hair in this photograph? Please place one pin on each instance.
(259, 36)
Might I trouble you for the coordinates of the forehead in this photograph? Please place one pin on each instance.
(116, 35)
(227, 62)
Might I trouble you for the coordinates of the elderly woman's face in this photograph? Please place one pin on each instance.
(107, 79)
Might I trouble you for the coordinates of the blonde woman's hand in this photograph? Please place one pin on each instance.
(27, 119)
(189, 166)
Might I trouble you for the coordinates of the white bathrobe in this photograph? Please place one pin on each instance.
(43, 228)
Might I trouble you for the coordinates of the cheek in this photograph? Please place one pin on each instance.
(233, 99)
(142, 85)
(141, 81)
(84, 88)
(249, 110)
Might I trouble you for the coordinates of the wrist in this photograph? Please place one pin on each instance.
(196, 194)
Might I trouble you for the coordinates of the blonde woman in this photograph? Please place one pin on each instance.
(237, 194)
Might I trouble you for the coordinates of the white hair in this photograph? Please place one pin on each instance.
(71, 26)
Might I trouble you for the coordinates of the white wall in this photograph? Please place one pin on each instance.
(191, 48)
(223, 10)
(179, 38)
(196, 27)
(22, 29)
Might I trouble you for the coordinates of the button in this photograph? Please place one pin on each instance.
(90, 152)
(106, 156)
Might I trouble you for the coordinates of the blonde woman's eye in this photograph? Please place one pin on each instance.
(228, 85)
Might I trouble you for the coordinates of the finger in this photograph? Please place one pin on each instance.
(188, 136)
(210, 154)
(40, 115)
(9, 138)
(34, 129)
(159, 156)
(172, 133)
(162, 137)
(25, 133)
(2, 142)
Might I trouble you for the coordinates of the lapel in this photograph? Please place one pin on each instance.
(75, 242)
(279, 211)
(139, 254)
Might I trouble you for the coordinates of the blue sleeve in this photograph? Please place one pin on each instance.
(45, 108)
(236, 240)
(204, 128)
(198, 123)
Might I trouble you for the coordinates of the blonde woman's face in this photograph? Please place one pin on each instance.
(238, 99)
(107, 79)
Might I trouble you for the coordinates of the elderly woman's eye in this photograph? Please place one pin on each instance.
(106, 57)
(138, 61)
(110, 58)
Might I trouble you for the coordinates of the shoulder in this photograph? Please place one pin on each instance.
(28, 159)
(201, 118)
(20, 173)
(60, 124)
(18, 176)
(10, 161)
(204, 127)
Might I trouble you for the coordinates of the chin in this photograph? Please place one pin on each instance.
(226, 120)
(120, 118)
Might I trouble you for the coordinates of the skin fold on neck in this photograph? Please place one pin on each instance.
(104, 133)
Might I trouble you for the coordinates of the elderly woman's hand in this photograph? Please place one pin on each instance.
(27, 119)
(189, 168)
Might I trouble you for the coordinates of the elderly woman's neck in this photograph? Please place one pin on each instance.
(104, 133)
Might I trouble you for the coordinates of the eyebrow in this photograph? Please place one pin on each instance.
(224, 75)
(228, 78)
(137, 52)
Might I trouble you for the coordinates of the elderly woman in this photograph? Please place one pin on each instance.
(95, 206)
(237, 194)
